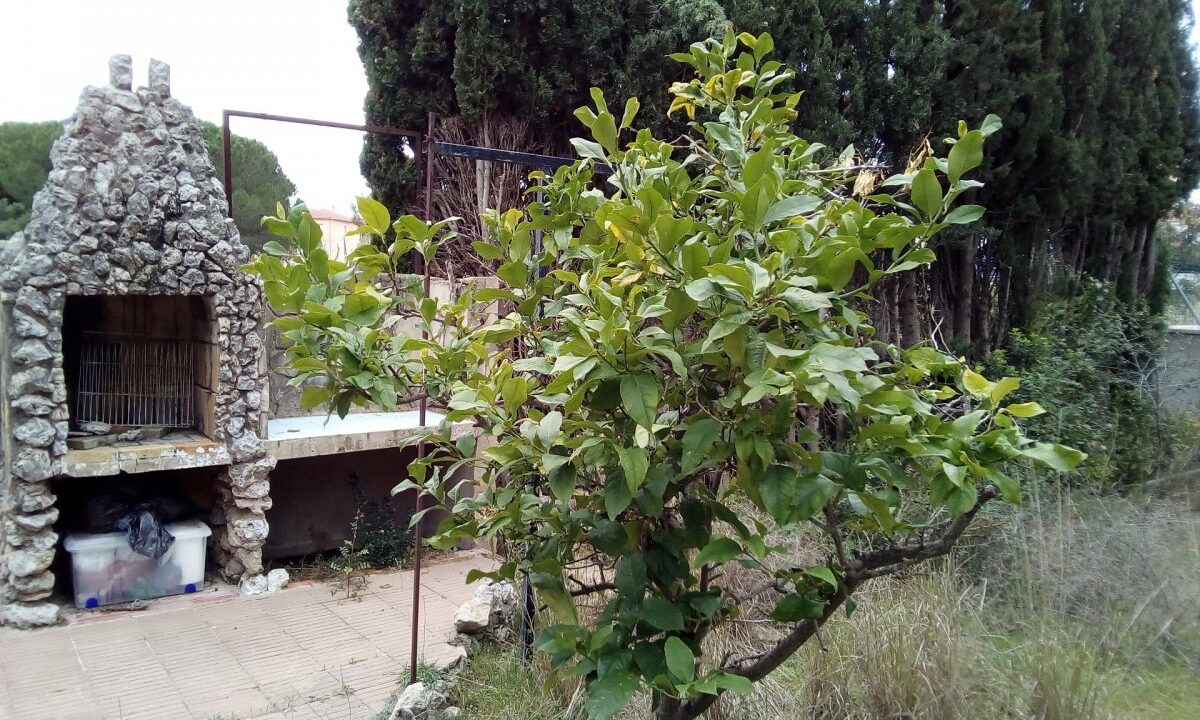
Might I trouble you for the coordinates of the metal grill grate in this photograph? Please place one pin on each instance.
(135, 381)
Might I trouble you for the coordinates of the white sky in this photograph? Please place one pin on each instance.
(287, 57)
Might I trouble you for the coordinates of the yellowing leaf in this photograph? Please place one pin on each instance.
(1003, 387)
(681, 102)
(1025, 410)
(975, 383)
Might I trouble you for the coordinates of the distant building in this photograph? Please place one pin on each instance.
(334, 227)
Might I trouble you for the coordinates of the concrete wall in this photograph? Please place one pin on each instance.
(1179, 380)
(315, 502)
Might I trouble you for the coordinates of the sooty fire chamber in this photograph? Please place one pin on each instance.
(122, 301)
(142, 361)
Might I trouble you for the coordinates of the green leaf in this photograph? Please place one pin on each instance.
(1010, 490)
(964, 214)
(635, 463)
(616, 496)
(975, 383)
(632, 105)
(589, 149)
(823, 573)
(681, 663)
(793, 608)
(375, 215)
(965, 155)
(608, 695)
(314, 396)
(604, 129)
(719, 550)
(802, 301)
(662, 614)
(991, 124)
(639, 397)
(630, 577)
(562, 480)
(790, 207)
(487, 250)
(1002, 387)
(697, 439)
(790, 498)
(718, 680)
(927, 193)
(1055, 456)
(608, 537)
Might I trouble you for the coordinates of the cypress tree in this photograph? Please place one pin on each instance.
(1098, 99)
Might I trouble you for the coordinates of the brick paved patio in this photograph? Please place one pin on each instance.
(300, 654)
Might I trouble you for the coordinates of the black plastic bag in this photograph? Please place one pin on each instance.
(145, 533)
(138, 512)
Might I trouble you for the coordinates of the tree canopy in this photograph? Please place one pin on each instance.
(259, 181)
(1099, 103)
(24, 165)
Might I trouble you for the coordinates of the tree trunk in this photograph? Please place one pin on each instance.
(670, 709)
(483, 177)
(1149, 260)
(964, 292)
(910, 319)
(1132, 263)
(981, 314)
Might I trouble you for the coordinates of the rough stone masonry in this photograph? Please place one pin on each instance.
(131, 206)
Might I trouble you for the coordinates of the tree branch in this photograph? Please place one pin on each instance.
(871, 565)
(893, 559)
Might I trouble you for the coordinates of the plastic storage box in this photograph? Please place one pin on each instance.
(106, 570)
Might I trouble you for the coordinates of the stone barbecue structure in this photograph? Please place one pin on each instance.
(134, 354)
(130, 252)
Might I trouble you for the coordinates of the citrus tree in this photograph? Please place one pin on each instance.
(674, 340)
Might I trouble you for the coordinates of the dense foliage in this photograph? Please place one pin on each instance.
(24, 165)
(675, 339)
(1095, 361)
(259, 182)
(1098, 100)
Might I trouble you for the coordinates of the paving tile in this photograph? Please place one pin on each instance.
(301, 654)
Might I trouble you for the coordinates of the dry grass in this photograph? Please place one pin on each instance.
(1127, 572)
(1067, 609)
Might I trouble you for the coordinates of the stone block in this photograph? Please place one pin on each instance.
(30, 561)
(29, 615)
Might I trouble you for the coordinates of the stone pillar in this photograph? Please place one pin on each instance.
(242, 496)
(34, 442)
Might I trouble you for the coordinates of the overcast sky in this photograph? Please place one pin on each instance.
(287, 57)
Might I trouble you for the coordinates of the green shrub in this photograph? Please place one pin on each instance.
(383, 535)
(1091, 361)
(685, 341)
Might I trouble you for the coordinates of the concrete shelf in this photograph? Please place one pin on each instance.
(316, 435)
(179, 450)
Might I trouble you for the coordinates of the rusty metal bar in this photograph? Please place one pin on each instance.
(227, 159)
(226, 139)
(512, 157)
(422, 411)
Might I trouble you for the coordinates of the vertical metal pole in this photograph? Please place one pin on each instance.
(527, 602)
(422, 267)
(227, 159)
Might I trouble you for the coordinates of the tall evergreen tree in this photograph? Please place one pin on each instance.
(1101, 129)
